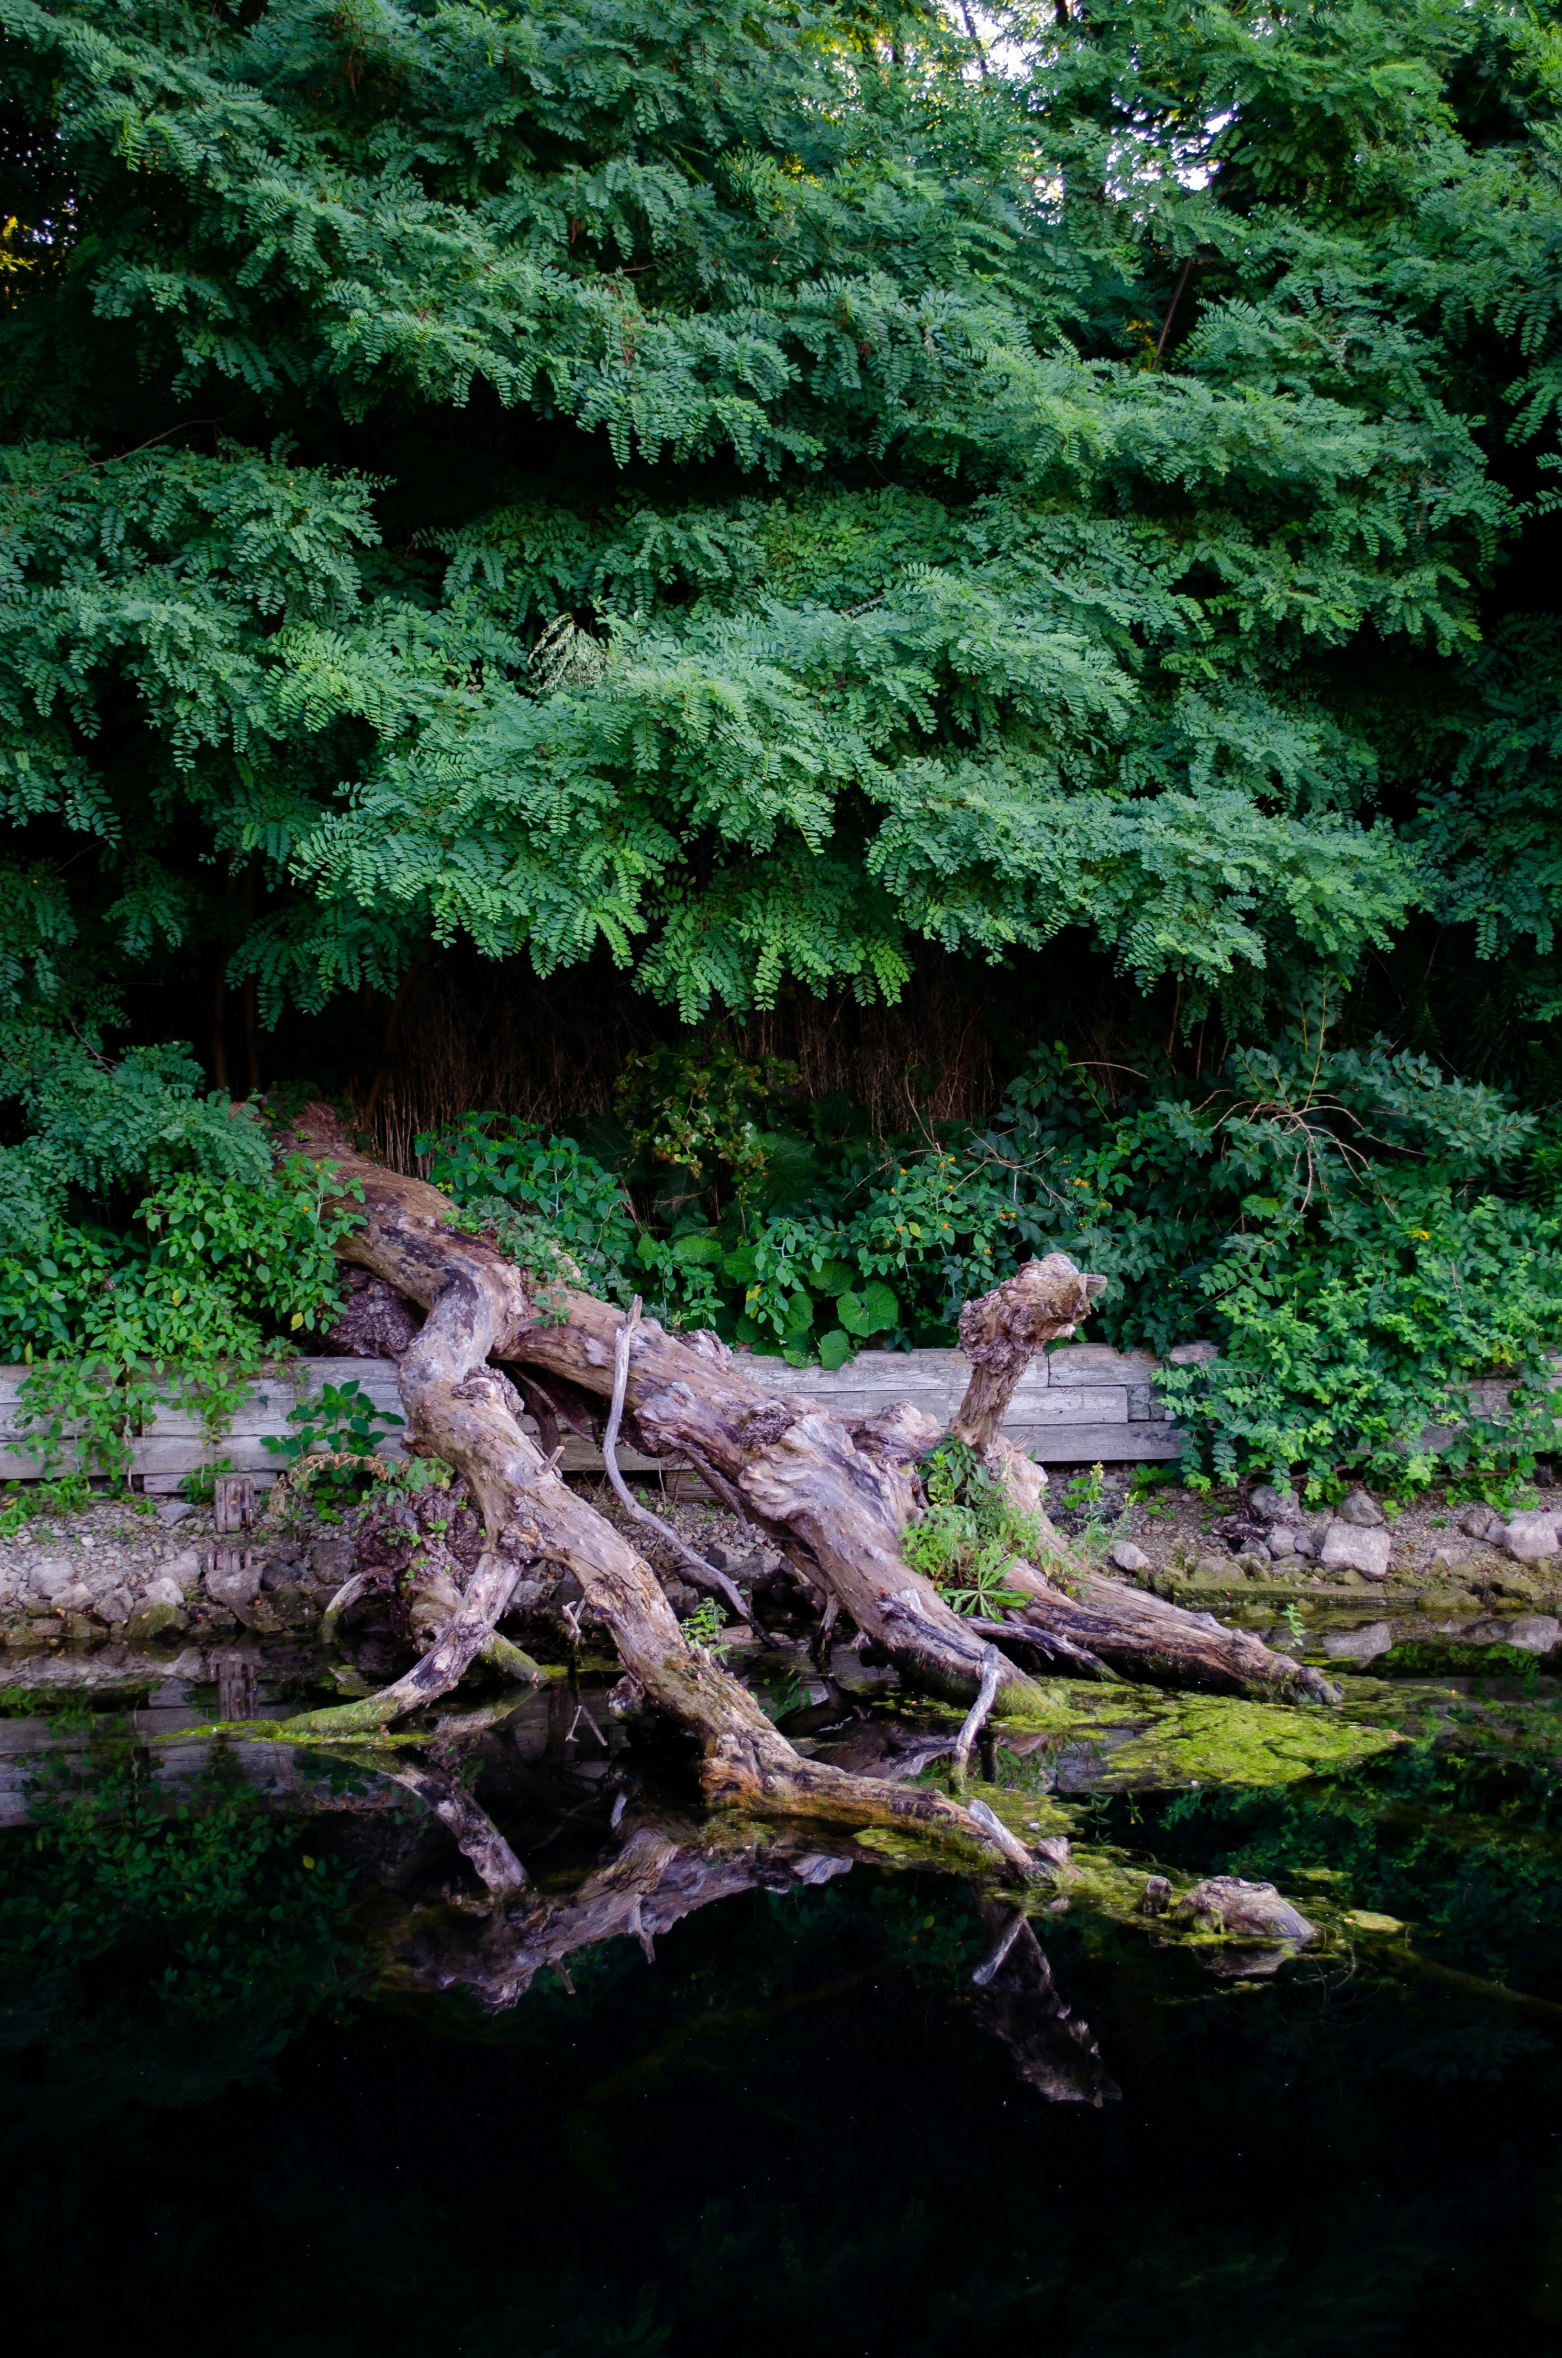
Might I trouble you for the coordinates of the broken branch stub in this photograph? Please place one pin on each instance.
(1001, 1332)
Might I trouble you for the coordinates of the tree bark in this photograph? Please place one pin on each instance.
(1001, 1332)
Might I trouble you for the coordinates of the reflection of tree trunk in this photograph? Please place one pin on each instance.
(474, 1830)
(1020, 2003)
(664, 1873)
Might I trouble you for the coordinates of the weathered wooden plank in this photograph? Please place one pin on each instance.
(1097, 1363)
(1086, 1445)
(1082, 1402)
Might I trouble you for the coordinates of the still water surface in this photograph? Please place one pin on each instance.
(239, 2114)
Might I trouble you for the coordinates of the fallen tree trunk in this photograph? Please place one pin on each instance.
(465, 1412)
(842, 1495)
(846, 1492)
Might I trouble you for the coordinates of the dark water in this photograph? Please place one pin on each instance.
(232, 2120)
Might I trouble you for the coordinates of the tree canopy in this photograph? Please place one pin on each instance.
(753, 491)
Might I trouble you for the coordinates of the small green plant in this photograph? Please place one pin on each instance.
(970, 1534)
(22, 1502)
(1291, 1615)
(789, 1695)
(339, 1427)
(1084, 1493)
(703, 1628)
(199, 1485)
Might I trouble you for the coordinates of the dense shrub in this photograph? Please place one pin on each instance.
(1359, 1234)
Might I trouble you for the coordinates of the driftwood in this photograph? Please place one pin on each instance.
(1002, 1331)
(838, 1496)
(461, 1409)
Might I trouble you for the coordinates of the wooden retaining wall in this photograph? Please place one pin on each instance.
(1080, 1404)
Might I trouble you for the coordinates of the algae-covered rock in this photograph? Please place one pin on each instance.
(154, 1621)
(1262, 1927)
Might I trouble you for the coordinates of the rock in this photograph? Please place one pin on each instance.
(1274, 1506)
(287, 1569)
(1516, 1584)
(50, 1575)
(332, 1559)
(1531, 1539)
(77, 1598)
(154, 1621)
(113, 1607)
(528, 1596)
(1450, 1553)
(1358, 1645)
(1361, 1508)
(1305, 1544)
(1283, 1543)
(163, 1591)
(1537, 1633)
(46, 1625)
(184, 1568)
(1351, 1548)
(1248, 1911)
(239, 1584)
(1128, 1558)
(173, 1510)
(1476, 1521)
(1192, 1354)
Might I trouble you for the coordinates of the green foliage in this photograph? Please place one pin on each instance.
(703, 1628)
(220, 1251)
(333, 1439)
(965, 570)
(1361, 1236)
(159, 1929)
(149, 1250)
(1352, 1228)
(698, 1107)
(970, 1533)
(553, 1208)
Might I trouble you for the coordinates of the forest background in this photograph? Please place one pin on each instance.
(809, 650)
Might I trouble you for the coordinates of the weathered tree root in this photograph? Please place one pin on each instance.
(461, 1409)
(843, 1494)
